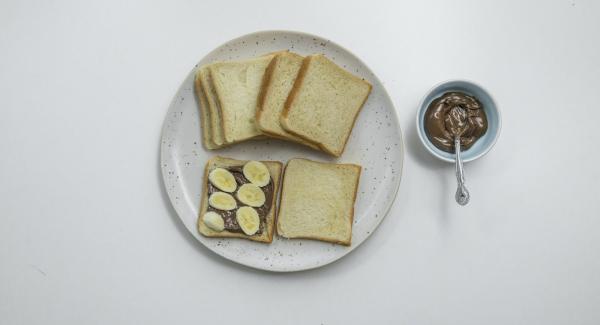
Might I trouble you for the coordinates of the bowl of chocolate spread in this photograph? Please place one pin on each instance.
(458, 109)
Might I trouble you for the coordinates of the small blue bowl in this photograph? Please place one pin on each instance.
(481, 146)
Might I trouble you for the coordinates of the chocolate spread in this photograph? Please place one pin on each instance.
(452, 115)
(229, 216)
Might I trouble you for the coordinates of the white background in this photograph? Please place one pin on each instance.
(87, 235)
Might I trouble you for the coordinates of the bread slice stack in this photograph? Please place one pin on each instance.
(324, 104)
(309, 100)
(228, 94)
(277, 84)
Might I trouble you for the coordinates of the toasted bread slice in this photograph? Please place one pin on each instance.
(204, 114)
(317, 201)
(277, 84)
(275, 168)
(216, 123)
(324, 104)
(237, 85)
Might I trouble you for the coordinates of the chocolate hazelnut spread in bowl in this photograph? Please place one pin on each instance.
(462, 109)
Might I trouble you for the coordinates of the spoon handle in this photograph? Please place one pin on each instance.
(462, 194)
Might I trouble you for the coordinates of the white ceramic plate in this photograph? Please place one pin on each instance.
(375, 144)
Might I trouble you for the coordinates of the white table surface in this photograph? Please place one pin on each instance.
(88, 236)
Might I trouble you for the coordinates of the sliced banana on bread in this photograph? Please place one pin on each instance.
(317, 201)
(239, 198)
(324, 104)
(248, 220)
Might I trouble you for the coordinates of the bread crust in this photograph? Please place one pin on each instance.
(353, 122)
(218, 99)
(264, 88)
(207, 140)
(213, 105)
(275, 168)
(295, 89)
(342, 242)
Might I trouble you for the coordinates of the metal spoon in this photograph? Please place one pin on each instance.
(462, 194)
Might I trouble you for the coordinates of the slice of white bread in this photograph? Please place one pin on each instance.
(276, 86)
(275, 168)
(324, 104)
(204, 114)
(216, 124)
(237, 85)
(317, 201)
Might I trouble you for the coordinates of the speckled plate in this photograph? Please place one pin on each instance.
(375, 143)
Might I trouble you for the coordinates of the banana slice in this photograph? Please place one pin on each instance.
(248, 220)
(251, 195)
(257, 173)
(222, 179)
(222, 201)
(214, 221)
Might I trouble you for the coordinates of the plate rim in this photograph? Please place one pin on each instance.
(277, 270)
